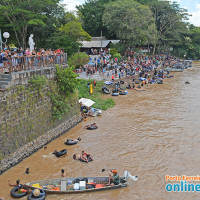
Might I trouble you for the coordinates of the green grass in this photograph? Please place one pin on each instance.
(96, 96)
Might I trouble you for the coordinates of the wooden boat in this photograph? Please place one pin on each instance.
(65, 185)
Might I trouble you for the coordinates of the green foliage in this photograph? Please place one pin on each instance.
(60, 105)
(62, 40)
(74, 29)
(113, 51)
(25, 15)
(38, 82)
(129, 20)
(66, 79)
(79, 59)
(118, 56)
(91, 13)
(83, 92)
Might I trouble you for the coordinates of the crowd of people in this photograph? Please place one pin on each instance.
(143, 65)
(12, 60)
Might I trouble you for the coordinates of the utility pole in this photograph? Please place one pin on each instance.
(0, 39)
(101, 41)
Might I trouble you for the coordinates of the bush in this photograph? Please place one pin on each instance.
(78, 59)
(66, 79)
(118, 56)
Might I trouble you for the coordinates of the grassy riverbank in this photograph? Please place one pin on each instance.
(100, 103)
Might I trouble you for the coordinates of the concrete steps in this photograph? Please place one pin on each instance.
(5, 80)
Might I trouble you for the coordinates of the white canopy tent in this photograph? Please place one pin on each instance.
(86, 102)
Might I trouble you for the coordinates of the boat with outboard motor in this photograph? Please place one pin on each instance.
(79, 184)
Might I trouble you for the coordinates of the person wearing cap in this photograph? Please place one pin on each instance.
(36, 193)
(114, 180)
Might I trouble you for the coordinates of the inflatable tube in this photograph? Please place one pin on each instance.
(91, 128)
(121, 82)
(108, 82)
(115, 84)
(70, 142)
(14, 193)
(61, 153)
(122, 93)
(115, 94)
(160, 82)
(31, 197)
(89, 160)
(142, 79)
(106, 90)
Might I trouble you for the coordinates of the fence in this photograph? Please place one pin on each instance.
(24, 63)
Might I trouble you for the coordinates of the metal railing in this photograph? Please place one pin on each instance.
(24, 63)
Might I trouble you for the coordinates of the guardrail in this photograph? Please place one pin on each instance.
(24, 63)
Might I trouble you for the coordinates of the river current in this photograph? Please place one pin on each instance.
(150, 133)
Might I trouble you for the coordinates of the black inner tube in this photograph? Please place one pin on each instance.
(61, 153)
(92, 127)
(70, 142)
(89, 160)
(14, 193)
(32, 197)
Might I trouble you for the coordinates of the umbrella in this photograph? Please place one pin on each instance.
(86, 102)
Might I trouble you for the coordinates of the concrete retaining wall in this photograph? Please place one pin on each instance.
(26, 123)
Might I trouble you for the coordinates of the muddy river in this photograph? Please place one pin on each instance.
(151, 134)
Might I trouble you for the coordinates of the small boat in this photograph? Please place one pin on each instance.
(79, 184)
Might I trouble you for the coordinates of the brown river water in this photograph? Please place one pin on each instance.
(151, 134)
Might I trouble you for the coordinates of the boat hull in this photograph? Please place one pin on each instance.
(57, 182)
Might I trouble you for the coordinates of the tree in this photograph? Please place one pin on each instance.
(73, 28)
(63, 41)
(132, 22)
(167, 16)
(91, 13)
(79, 59)
(22, 15)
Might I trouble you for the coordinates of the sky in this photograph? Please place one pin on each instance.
(193, 7)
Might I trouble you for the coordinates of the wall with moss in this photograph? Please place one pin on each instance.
(25, 115)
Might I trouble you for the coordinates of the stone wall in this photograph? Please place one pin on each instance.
(25, 119)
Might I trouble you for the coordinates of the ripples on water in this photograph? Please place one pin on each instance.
(151, 133)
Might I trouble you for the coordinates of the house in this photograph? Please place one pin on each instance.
(96, 45)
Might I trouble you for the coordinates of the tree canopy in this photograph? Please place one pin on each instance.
(23, 15)
(132, 22)
(91, 12)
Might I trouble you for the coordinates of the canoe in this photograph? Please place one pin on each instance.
(66, 185)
